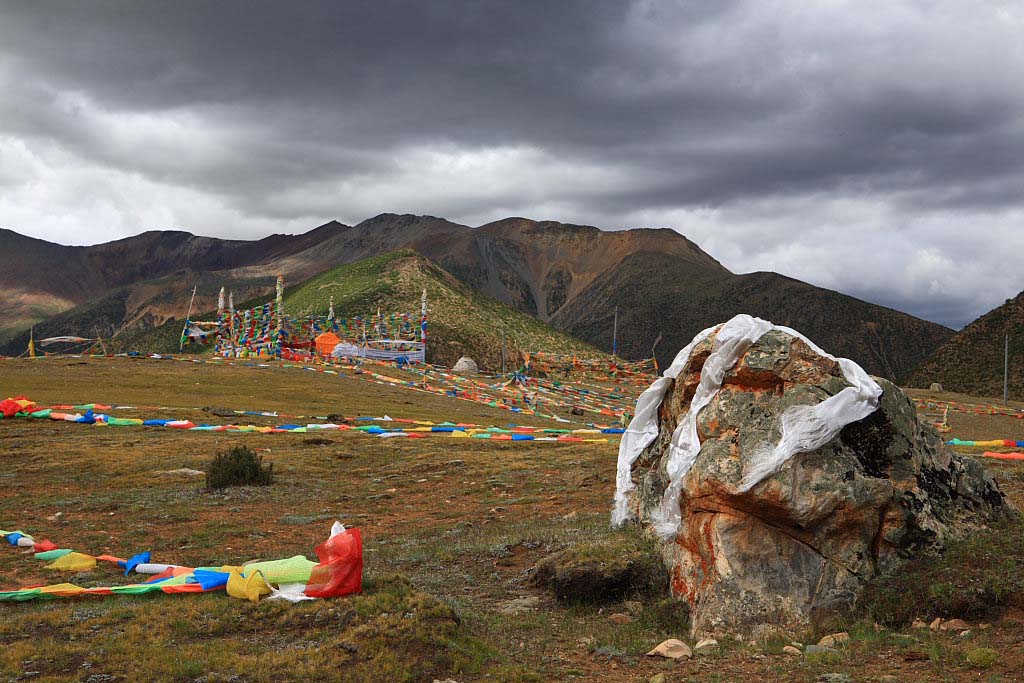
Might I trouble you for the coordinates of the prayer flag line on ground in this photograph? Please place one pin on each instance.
(21, 407)
(338, 571)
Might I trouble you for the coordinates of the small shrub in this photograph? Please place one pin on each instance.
(982, 657)
(239, 466)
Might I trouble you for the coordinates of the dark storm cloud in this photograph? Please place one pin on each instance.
(873, 147)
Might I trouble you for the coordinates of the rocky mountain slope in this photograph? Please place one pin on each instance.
(570, 275)
(462, 321)
(971, 361)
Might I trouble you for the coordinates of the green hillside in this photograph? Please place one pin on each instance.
(462, 321)
(971, 361)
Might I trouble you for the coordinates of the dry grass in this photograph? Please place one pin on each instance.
(461, 520)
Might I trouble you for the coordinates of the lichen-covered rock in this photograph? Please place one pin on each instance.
(795, 550)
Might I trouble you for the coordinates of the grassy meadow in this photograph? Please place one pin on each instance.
(451, 529)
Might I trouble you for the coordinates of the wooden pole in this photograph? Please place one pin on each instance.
(615, 333)
(181, 342)
(1006, 370)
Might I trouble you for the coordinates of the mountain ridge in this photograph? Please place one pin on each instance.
(570, 275)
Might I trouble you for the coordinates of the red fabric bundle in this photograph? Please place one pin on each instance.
(340, 571)
(11, 406)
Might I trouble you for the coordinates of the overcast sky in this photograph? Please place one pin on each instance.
(875, 147)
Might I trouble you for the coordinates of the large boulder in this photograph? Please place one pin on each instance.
(792, 546)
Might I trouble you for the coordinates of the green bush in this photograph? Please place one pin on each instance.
(239, 466)
(973, 577)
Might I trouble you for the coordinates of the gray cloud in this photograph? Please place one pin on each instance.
(873, 147)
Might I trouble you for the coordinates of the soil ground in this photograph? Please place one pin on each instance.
(462, 519)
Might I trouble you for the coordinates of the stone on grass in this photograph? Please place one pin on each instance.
(835, 639)
(790, 650)
(820, 650)
(954, 625)
(620, 619)
(671, 649)
(798, 547)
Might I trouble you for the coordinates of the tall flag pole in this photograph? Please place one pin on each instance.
(220, 303)
(280, 310)
(184, 329)
(423, 316)
(615, 333)
(231, 320)
(330, 312)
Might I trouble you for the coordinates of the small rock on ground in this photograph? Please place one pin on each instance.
(621, 619)
(671, 649)
(790, 650)
(835, 639)
(954, 625)
(819, 650)
(657, 678)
